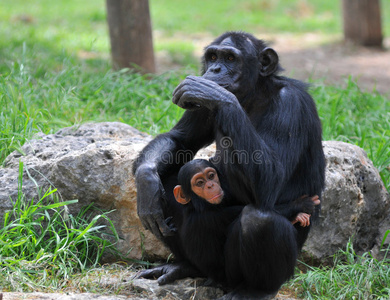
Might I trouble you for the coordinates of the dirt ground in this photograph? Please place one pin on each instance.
(318, 56)
(335, 61)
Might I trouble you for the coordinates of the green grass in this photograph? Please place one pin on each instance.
(260, 16)
(357, 117)
(76, 94)
(72, 24)
(55, 72)
(350, 277)
(252, 15)
(42, 245)
(55, 30)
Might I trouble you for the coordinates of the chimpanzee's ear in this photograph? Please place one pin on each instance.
(179, 196)
(269, 62)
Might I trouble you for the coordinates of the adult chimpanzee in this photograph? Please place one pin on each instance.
(209, 221)
(264, 125)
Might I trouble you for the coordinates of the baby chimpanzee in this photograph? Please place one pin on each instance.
(209, 219)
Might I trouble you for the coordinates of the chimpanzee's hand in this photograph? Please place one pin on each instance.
(196, 92)
(149, 193)
(307, 204)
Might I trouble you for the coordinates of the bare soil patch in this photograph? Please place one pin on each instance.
(334, 61)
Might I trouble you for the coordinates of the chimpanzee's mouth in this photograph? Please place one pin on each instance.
(216, 199)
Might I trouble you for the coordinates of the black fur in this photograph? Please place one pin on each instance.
(247, 109)
(205, 226)
(224, 245)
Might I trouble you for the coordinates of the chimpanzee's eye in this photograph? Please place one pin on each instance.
(199, 183)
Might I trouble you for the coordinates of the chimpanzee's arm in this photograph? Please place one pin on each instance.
(162, 157)
(274, 142)
(304, 204)
(234, 123)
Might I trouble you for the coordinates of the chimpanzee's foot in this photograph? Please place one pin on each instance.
(168, 273)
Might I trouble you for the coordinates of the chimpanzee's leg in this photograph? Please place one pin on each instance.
(261, 252)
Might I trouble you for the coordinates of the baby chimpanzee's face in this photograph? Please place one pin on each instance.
(206, 185)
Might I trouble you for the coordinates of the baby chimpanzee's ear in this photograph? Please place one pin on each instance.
(179, 195)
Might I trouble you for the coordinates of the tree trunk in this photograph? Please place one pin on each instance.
(130, 34)
(362, 22)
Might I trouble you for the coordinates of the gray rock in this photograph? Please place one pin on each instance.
(355, 205)
(186, 289)
(92, 163)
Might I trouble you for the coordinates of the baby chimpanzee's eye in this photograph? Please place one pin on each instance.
(199, 183)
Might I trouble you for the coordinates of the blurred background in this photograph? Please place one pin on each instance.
(51, 30)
